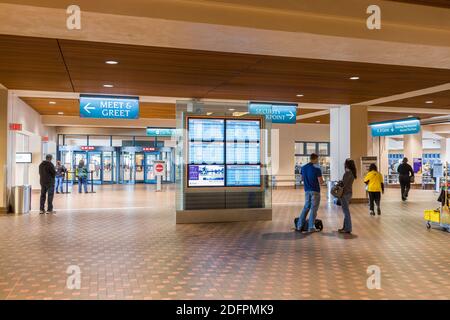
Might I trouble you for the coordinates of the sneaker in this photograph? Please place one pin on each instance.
(41, 212)
(343, 231)
(51, 212)
(379, 212)
(372, 213)
(312, 230)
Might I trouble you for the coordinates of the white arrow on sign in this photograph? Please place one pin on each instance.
(87, 108)
(291, 115)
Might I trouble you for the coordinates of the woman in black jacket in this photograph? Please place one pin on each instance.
(347, 180)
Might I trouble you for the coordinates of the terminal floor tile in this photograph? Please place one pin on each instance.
(127, 246)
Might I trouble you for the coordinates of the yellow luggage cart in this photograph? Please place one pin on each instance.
(440, 217)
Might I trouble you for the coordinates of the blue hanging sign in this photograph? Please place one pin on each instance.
(276, 113)
(394, 128)
(160, 132)
(109, 107)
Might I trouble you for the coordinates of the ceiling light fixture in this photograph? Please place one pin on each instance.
(410, 116)
(300, 95)
(111, 62)
(354, 78)
(231, 109)
(429, 102)
(318, 121)
(108, 86)
(60, 113)
(51, 102)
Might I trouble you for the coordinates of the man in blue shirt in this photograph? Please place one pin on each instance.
(312, 178)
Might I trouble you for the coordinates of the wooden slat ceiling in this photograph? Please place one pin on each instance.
(71, 107)
(64, 65)
(441, 100)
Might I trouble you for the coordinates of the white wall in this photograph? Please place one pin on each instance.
(28, 140)
(288, 134)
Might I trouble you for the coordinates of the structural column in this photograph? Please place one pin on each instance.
(445, 150)
(412, 148)
(3, 146)
(349, 139)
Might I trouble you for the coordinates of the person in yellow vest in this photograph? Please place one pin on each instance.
(375, 187)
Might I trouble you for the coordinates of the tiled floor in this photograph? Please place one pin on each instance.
(138, 252)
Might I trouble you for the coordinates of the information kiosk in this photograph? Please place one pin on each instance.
(224, 175)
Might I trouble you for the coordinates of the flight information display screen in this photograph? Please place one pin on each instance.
(224, 152)
(206, 130)
(243, 153)
(243, 130)
(243, 176)
(206, 176)
(206, 152)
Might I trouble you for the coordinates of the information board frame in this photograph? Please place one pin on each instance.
(187, 164)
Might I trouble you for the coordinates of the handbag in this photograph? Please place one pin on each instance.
(337, 190)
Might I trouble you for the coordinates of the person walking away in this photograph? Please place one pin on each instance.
(347, 180)
(82, 174)
(47, 174)
(312, 178)
(60, 174)
(375, 187)
(405, 175)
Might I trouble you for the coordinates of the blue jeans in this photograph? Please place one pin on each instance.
(345, 202)
(59, 184)
(312, 202)
(82, 182)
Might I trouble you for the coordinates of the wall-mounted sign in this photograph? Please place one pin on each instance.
(393, 128)
(366, 161)
(24, 157)
(15, 126)
(148, 149)
(109, 107)
(417, 165)
(160, 132)
(87, 148)
(276, 113)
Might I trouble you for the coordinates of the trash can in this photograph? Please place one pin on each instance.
(21, 199)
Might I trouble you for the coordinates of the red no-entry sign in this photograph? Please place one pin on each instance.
(159, 167)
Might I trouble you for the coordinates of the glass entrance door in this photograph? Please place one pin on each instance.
(149, 174)
(95, 162)
(108, 167)
(127, 171)
(77, 157)
(139, 167)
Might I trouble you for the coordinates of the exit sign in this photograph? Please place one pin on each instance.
(15, 126)
(87, 148)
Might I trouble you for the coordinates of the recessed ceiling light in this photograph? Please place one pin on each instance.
(429, 102)
(318, 121)
(354, 78)
(410, 116)
(51, 102)
(108, 86)
(300, 95)
(231, 109)
(111, 62)
(60, 113)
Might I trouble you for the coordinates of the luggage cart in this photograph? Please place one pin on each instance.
(440, 217)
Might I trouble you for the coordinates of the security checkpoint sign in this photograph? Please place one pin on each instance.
(276, 113)
(394, 128)
(109, 107)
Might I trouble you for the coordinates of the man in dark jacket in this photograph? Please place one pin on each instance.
(47, 174)
(405, 174)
